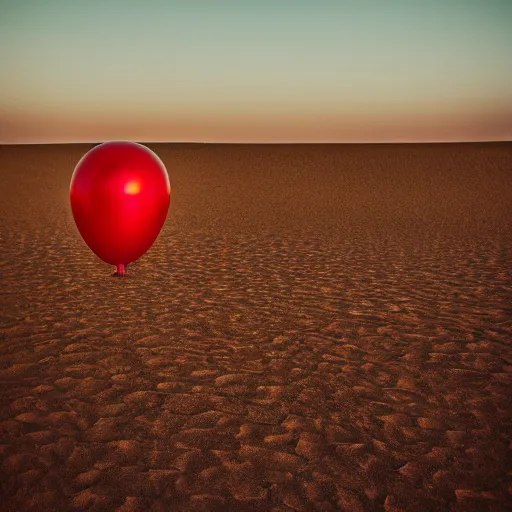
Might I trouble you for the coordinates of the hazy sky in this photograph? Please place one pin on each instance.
(255, 70)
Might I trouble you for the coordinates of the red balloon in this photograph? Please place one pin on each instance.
(120, 195)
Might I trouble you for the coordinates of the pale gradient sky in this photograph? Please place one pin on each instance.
(255, 71)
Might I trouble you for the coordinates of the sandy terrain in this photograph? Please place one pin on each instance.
(316, 329)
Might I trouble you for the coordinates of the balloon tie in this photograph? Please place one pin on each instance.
(120, 270)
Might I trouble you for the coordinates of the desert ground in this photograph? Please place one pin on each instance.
(317, 328)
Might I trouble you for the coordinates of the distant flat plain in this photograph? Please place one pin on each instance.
(317, 328)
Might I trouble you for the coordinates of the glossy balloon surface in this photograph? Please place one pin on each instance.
(120, 195)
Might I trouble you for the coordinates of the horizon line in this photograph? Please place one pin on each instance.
(367, 143)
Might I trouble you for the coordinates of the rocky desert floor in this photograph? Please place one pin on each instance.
(317, 328)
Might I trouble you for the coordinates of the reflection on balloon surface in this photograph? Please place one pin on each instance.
(132, 187)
